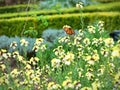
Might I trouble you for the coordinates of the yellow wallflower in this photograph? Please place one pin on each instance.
(117, 80)
(77, 40)
(59, 51)
(101, 23)
(14, 73)
(91, 29)
(79, 5)
(69, 57)
(89, 75)
(53, 86)
(24, 42)
(2, 67)
(35, 48)
(21, 59)
(34, 60)
(36, 80)
(55, 63)
(95, 57)
(28, 67)
(6, 55)
(38, 41)
(101, 70)
(86, 41)
(96, 85)
(67, 84)
(109, 42)
(117, 76)
(77, 85)
(65, 39)
(16, 81)
(15, 54)
(104, 52)
(86, 88)
(43, 47)
(89, 60)
(13, 45)
(3, 51)
(116, 51)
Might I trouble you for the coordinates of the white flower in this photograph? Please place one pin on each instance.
(43, 47)
(13, 45)
(100, 23)
(64, 39)
(6, 55)
(77, 40)
(91, 29)
(68, 58)
(35, 48)
(116, 51)
(79, 5)
(86, 41)
(39, 41)
(109, 42)
(81, 32)
(34, 60)
(15, 54)
(24, 42)
(55, 63)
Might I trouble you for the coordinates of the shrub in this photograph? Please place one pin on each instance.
(106, 1)
(92, 8)
(16, 8)
(12, 27)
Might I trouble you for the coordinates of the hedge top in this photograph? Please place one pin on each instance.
(14, 26)
(63, 15)
(93, 8)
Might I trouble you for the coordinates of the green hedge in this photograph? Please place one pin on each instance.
(106, 1)
(12, 27)
(16, 8)
(93, 8)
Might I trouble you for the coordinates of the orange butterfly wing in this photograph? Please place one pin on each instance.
(69, 31)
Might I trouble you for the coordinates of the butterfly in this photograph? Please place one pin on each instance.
(68, 30)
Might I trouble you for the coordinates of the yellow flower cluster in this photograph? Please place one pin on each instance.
(78, 62)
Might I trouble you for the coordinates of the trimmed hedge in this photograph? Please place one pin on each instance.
(93, 8)
(16, 8)
(106, 1)
(12, 27)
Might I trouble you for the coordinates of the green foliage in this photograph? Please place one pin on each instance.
(12, 27)
(107, 1)
(92, 8)
(43, 20)
(115, 6)
(16, 8)
(30, 33)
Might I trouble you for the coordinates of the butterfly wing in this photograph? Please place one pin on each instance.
(69, 30)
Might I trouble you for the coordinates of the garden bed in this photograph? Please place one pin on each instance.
(86, 60)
